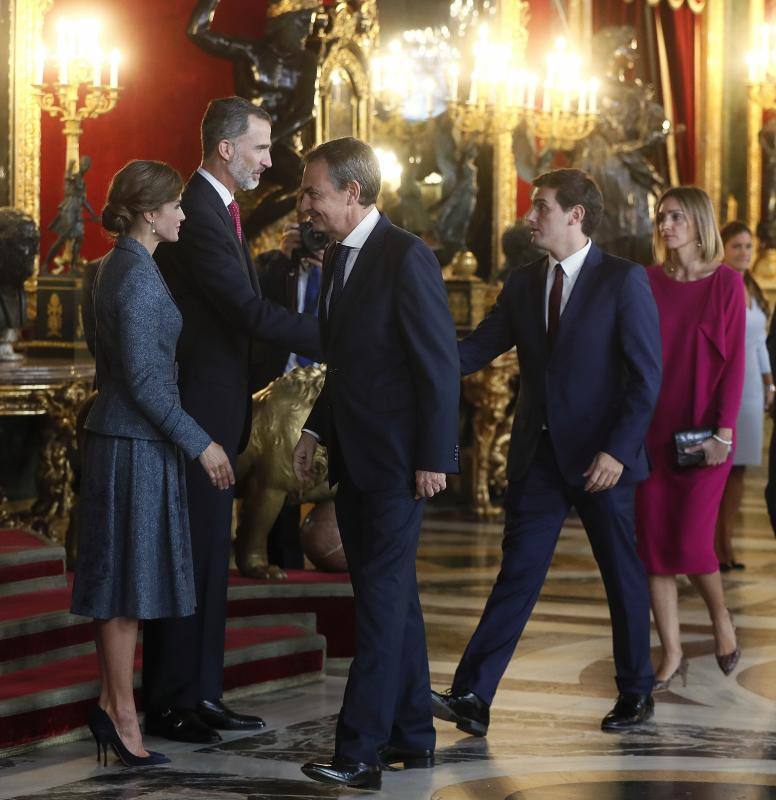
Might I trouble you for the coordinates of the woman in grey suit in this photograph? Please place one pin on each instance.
(134, 553)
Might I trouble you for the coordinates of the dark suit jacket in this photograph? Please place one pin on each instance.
(598, 387)
(278, 278)
(212, 278)
(137, 327)
(389, 405)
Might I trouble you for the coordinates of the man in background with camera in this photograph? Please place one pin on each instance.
(291, 277)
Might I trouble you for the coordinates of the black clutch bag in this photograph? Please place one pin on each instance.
(690, 438)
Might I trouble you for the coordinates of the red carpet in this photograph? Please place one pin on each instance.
(47, 654)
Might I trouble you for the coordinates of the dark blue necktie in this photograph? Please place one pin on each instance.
(311, 303)
(340, 260)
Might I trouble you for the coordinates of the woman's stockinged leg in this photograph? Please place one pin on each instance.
(665, 610)
(116, 641)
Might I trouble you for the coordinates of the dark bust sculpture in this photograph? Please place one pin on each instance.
(278, 72)
(19, 240)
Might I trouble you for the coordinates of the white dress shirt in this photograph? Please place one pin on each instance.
(223, 192)
(571, 267)
(301, 290)
(355, 241)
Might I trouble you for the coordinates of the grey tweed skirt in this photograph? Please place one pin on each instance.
(134, 546)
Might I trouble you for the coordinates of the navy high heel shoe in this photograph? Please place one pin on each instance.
(105, 733)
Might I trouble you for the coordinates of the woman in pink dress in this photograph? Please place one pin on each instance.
(702, 326)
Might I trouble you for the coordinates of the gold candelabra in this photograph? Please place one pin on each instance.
(80, 62)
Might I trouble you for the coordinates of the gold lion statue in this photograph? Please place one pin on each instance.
(264, 474)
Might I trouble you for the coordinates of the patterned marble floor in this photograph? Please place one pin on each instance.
(714, 739)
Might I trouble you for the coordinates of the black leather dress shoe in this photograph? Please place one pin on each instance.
(180, 726)
(215, 714)
(629, 711)
(467, 711)
(345, 773)
(412, 759)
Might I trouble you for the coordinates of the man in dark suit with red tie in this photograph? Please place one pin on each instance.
(388, 416)
(585, 326)
(212, 278)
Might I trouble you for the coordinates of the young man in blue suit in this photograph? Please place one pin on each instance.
(388, 416)
(586, 330)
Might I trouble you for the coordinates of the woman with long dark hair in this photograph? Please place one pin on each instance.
(758, 392)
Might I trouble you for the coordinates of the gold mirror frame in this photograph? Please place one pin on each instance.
(348, 40)
(26, 33)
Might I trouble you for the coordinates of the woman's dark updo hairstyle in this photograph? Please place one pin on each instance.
(137, 187)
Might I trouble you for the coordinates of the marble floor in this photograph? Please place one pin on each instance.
(714, 739)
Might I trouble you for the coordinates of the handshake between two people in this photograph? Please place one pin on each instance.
(427, 484)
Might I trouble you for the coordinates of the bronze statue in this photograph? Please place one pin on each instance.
(278, 72)
(766, 227)
(264, 474)
(19, 240)
(69, 222)
(623, 153)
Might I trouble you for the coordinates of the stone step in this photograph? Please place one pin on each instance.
(51, 699)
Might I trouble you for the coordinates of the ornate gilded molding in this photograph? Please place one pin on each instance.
(754, 165)
(289, 6)
(696, 6)
(26, 32)
(348, 35)
(513, 17)
(709, 119)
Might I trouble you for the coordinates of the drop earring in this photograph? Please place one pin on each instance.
(153, 228)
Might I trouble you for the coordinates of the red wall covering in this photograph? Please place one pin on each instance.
(167, 82)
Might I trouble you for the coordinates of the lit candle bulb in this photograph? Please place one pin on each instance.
(546, 96)
(593, 101)
(531, 97)
(453, 75)
(97, 69)
(582, 100)
(63, 68)
(40, 63)
(114, 69)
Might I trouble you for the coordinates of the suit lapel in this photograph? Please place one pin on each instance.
(215, 202)
(538, 301)
(326, 278)
(368, 260)
(576, 301)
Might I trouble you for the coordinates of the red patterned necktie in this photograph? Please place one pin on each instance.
(234, 210)
(553, 307)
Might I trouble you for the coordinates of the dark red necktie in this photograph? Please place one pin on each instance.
(234, 210)
(553, 307)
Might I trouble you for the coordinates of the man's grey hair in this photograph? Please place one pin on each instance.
(227, 118)
(350, 160)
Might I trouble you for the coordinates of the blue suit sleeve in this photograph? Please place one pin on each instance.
(492, 337)
(429, 336)
(139, 311)
(226, 285)
(639, 333)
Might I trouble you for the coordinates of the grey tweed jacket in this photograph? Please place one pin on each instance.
(137, 329)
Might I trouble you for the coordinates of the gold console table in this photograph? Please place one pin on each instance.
(53, 389)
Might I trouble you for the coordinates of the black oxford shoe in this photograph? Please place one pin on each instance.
(412, 759)
(215, 714)
(345, 773)
(629, 711)
(180, 726)
(467, 711)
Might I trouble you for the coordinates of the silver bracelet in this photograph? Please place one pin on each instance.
(728, 442)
